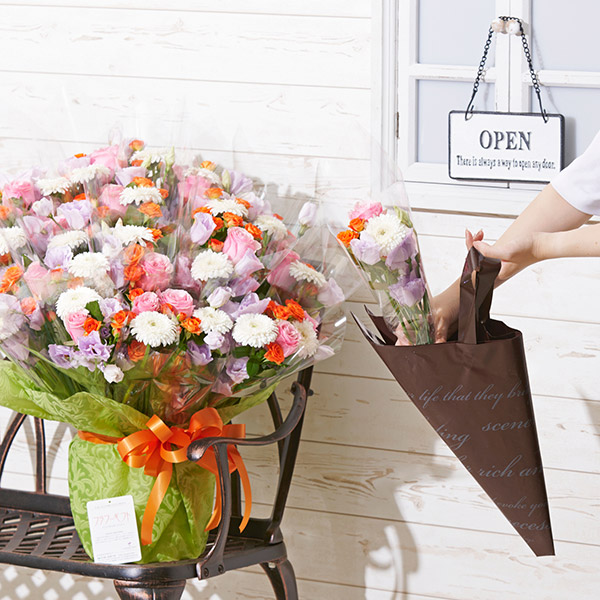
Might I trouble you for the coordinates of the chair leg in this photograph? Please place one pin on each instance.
(164, 590)
(283, 580)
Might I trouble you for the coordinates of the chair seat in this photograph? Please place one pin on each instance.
(46, 540)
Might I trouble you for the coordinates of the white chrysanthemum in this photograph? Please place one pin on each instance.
(12, 238)
(139, 195)
(149, 157)
(218, 207)
(54, 185)
(387, 231)
(204, 173)
(254, 330)
(89, 173)
(213, 319)
(89, 264)
(75, 299)
(300, 271)
(309, 343)
(271, 225)
(211, 265)
(154, 329)
(71, 239)
(132, 234)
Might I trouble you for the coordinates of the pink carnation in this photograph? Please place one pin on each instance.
(366, 211)
(180, 300)
(288, 337)
(21, 189)
(146, 302)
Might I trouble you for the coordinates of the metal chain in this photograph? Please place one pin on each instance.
(534, 78)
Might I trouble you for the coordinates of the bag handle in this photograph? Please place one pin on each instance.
(476, 296)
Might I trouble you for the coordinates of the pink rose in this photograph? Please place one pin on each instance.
(108, 157)
(111, 197)
(366, 210)
(21, 189)
(37, 279)
(146, 302)
(238, 242)
(280, 275)
(180, 300)
(74, 323)
(288, 337)
(157, 272)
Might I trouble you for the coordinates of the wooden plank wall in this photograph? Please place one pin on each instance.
(379, 509)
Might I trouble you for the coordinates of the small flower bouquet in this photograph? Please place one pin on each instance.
(382, 243)
(148, 303)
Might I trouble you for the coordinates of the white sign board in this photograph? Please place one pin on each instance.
(494, 146)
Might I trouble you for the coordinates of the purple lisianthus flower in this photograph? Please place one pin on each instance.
(251, 304)
(109, 307)
(243, 285)
(308, 214)
(117, 273)
(240, 183)
(406, 249)
(202, 228)
(331, 293)
(92, 348)
(366, 249)
(236, 369)
(248, 264)
(199, 354)
(59, 257)
(61, 355)
(408, 291)
(43, 207)
(214, 340)
(77, 213)
(219, 296)
(222, 386)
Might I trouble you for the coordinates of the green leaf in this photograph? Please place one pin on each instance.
(253, 367)
(94, 310)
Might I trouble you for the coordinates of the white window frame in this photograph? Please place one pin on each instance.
(395, 77)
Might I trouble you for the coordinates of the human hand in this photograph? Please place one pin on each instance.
(444, 306)
(514, 254)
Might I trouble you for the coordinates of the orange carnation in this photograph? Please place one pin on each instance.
(136, 163)
(143, 182)
(203, 209)
(213, 193)
(119, 320)
(192, 324)
(133, 272)
(347, 236)
(233, 220)
(274, 353)
(156, 234)
(150, 209)
(91, 324)
(218, 222)
(207, 164)
(134, 293)
(295, 309)
(254, 230)
(136, 144)
(136, 350)
(11, 276)
(279, 311)
(4, 212)
(28, 305)
(133, 254)
(216, 245)
(357, 224)
(164, 193)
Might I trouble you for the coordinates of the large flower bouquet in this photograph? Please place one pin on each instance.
(147, 303)
(382, 244)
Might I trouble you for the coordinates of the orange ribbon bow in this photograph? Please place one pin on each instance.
(152, 449)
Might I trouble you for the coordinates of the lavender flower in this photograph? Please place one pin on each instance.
(366, 249)
(61, 355)
(77, 214)
(240, 183)
(331, 293)
(219, 296)
(236, 369)
(200, 355)
(92, 348)
(202, 228)
(406, 249)
(58, 258)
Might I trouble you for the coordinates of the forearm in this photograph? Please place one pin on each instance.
(564, 244)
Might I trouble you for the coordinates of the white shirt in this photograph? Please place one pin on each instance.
(579, 183)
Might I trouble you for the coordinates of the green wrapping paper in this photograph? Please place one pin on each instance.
(97, 471)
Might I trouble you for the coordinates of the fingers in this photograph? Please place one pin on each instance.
(489, 251)
(470, 238)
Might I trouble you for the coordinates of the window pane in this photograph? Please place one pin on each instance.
(565, 36)
(454, 32)
(435, 99)
(582, 122)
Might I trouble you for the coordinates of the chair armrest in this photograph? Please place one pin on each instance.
(197, 449)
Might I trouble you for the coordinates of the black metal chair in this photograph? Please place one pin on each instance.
(36, 528)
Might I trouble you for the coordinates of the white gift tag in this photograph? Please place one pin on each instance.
(114, 531)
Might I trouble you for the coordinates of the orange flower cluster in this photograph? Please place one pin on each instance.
(4, 212)
(216, 245)
(91, 324)
(136, 145)
(10, 278)
(279, 311)
(133, 254)
(232, 220)
(119, 320)
(274, 353)
(254, 231)
(192, 324)
(347, 236)
(357, 224)
(296, 310)
(150, 209)
(136, 350)
(213, 193)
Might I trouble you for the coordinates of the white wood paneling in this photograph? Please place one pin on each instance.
(209, 46)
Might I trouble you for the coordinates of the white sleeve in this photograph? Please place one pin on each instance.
(579, 183)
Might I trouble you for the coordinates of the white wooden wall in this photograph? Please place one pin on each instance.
(379, 509)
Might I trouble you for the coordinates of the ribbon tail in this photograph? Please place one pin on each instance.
(215, 518)
(236, 457)
(159, 489)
